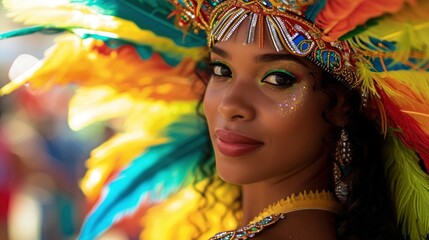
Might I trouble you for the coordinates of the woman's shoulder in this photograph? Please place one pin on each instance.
(302, 225)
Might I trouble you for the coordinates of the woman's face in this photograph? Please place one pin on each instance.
(264, 111)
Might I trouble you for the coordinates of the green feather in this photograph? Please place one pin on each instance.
(410, 188)
(360, 29)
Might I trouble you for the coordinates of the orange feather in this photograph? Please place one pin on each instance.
(340, 16)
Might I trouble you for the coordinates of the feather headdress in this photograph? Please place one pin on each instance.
(142, 59)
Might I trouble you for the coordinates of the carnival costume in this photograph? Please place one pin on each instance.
(143, 57)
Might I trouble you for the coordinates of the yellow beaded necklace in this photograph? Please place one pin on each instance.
(304, 201)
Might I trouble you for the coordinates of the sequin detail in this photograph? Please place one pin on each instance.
(324, 201)
(250, 230)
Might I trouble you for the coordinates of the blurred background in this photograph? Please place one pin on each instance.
(41, 159)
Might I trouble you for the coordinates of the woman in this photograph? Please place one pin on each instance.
(272, 117)
(264, 109)
(293, 113)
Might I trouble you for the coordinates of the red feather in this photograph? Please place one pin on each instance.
(411, 132)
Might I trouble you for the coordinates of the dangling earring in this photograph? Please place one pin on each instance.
(343, 157)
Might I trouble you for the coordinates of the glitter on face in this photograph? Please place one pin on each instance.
(292, 100)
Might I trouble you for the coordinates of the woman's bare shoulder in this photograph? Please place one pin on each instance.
(302, 225)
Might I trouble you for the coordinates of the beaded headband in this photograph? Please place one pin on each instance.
(287, 28)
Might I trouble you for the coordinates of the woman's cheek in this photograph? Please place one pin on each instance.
(293, 99)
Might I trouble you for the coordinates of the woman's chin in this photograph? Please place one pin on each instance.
(237, 177)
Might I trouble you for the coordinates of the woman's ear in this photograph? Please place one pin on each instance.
(339, 113)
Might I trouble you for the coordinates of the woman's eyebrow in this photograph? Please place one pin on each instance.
(220, 52)
(271, 57)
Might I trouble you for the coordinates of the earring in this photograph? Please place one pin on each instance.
(343, 157)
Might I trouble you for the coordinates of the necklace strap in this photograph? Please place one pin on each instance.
(324, 201)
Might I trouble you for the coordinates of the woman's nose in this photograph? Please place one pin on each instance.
(236, 103)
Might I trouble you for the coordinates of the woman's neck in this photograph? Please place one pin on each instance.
(258, 196)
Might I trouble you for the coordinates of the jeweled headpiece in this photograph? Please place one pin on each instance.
(287, 27)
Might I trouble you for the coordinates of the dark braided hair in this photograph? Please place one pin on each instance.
(368, 213)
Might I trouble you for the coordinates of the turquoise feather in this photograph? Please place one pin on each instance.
(148, 14)
(29, 30)
(145, 51)
(313, 10)
(156, 174)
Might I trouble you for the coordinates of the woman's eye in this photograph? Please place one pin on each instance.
(221, 70)
(280, 79)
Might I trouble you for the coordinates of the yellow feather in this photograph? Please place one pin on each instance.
(110, 157)
(410, 91)
(95, 104)
(367, 79)
(67, 15)
(91, 105)
(418, 81)
(122, 69)
(409, 28)
(160, 223)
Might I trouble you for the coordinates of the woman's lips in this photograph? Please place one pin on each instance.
(233, 144)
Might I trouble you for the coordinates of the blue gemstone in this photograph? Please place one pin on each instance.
(214, 3)
(329, 59)
(240, 234)
(228, 237)
(298, 39)
(304, 46)
(266, 220)
(267, 3)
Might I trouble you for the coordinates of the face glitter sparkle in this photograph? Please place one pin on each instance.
(292, 100)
